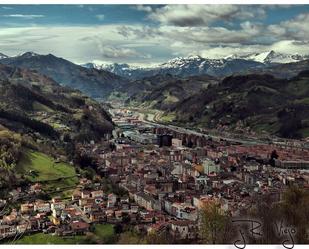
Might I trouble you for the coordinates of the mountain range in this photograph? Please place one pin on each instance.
(252, 91)
(95, 83)
(197, 65)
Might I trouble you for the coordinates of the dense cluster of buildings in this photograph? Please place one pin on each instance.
(165, 176)
(166, 183)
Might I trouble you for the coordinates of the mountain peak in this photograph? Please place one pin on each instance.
(195, 57)
(29, 54)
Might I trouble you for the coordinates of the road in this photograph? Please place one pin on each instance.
(153, 119)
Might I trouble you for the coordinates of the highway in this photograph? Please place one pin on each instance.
(153, 120)
(193, 132)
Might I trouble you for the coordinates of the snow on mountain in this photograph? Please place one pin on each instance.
(28, 54)
(197, 65)
(180, 66)
(270, 57)
(123, 70)
(3, 56)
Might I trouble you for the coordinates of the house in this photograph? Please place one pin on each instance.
(134, 208)
(176, 142)
(73, 212)
(26, 208)
(7, 231)
(58, 205)
(97, 216)
(110, 213)
(184, 211)
(76, 195)
(133, 217)
(42, 207)
(36, 188)
(184, 229)
(22, 228)
(210, 167)
(79, 227)
(85, 194)
(143, 200)
(125, 207)
(35, 223)
(10, 219)
(97, 194)
(112, 199)
(88, 208)
(40, 216)
(148, 217)
(86, 202)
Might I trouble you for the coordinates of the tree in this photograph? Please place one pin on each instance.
(118, 228)
(213, 223)
(10, 144)
(294, 209)
(273, 156)
(159, 238)
(130, 237)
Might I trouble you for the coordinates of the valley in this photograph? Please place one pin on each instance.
(154, 124)
(123, 160)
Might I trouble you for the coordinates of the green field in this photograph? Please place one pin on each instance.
(41, 238)
(168, 118)
(38, 167)
(103, 233)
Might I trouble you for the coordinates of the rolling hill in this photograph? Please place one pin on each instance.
(31, 103)
(259, 103)
(165, 92)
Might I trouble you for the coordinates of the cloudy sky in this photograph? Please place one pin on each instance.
(150, 34)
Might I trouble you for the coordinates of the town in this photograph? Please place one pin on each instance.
(162, 182)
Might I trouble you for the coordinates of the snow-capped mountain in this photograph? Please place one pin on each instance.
(181, 66)
(28, 54)
(113, 68)
(270, 57)
(124, 70)
(197, 65)
(3, 56)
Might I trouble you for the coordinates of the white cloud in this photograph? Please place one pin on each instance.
(112, 52)
(142, 44)
(6, 8)
(76, 43)
(24, 16)
(202, 15)
(143, 8)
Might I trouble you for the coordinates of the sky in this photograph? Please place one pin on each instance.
(151, 34)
